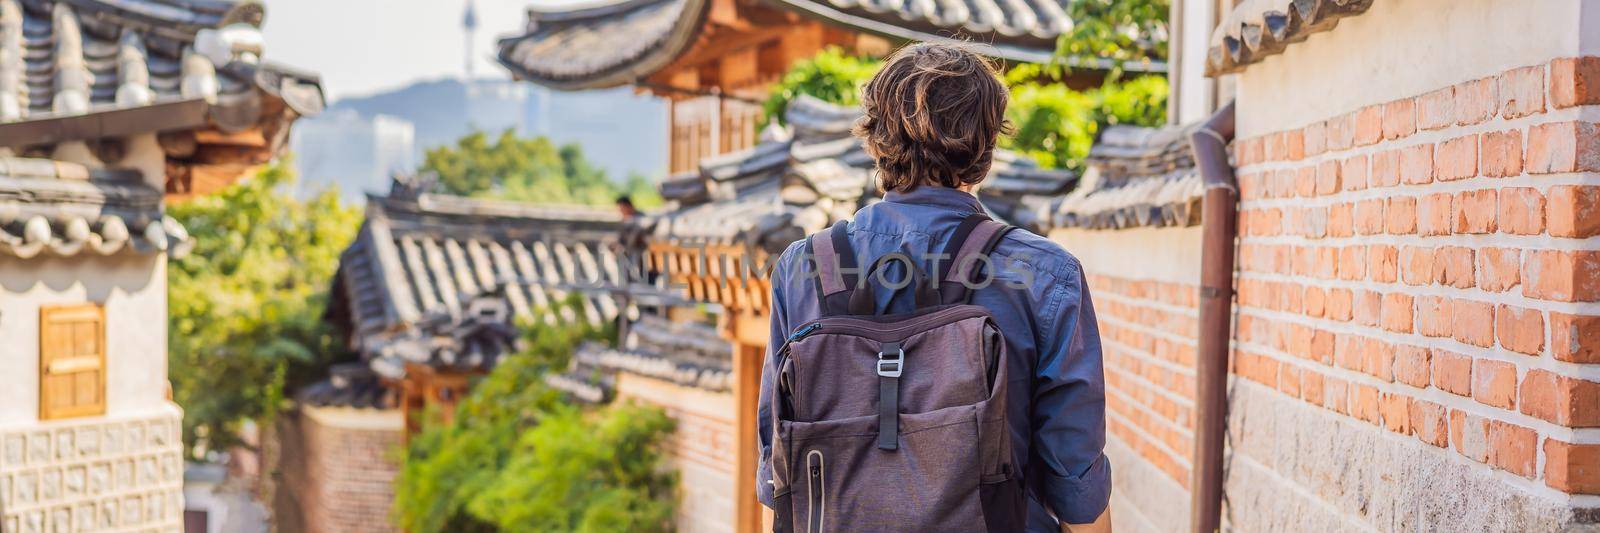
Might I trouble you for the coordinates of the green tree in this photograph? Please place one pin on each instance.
(245, 307)
(531, 170)
(1121, 31)
(516, 458)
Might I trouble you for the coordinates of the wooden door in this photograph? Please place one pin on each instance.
(72, 361)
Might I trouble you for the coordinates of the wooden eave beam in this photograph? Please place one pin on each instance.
(713, 44)
(113, 123)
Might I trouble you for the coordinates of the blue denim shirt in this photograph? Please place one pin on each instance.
(1056, 400)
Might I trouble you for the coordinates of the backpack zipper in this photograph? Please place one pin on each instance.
(876, 330)
(782, 355)
(817, 495)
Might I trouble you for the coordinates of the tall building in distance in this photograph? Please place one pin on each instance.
(469, 26)
(355, 152)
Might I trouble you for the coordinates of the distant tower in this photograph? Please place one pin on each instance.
(469, 22)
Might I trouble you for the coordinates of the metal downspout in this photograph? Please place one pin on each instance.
(1220, 227)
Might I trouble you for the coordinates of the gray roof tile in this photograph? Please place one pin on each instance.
(424, 270)
(1137, 177)
(65, 58)
(1255, 29)
(63, 209)
(583, 48)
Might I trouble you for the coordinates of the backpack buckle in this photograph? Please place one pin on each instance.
(890, 368)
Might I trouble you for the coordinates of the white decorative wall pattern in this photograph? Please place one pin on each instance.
(119, 474)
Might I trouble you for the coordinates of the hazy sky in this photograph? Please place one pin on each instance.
(364, 46)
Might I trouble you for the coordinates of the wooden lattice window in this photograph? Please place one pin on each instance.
(72, 361)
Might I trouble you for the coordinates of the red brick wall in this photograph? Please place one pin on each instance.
(334, 476)
(1428, 266)
(1148, 331)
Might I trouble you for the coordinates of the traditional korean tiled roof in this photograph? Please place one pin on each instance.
(89, 70)
(585, 387)
(441, 280)
(348, 385)
(1136, 177)
(1255, 29)
(1022, 30)
(687, 353)
(580, 49)
(800, 180)
(52, 208)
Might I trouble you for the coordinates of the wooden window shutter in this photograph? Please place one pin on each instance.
(72, 361)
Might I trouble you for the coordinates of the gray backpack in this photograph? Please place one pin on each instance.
(895, 422)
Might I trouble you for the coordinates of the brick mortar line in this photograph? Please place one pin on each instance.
(1149, 330)
(1165, 421)
(1432, 394)
(1534, 486)
(1101, 317)
(1595, 432)
(1493, 240)
(1495, 124)
(1160, 445)
(1440, 291)
(1168, 393)
(1542, 361)
(1186, 311)
(1295, 486)
(1168, 365)
(1543, 241)
(1542, 183)
(1176, 424)
(1508, 296)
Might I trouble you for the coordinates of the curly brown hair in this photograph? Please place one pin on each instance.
(933, 115)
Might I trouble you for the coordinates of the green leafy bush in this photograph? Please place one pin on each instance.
(1056, 125)
(245, 306)
(832, 76)
(577, 471)
(517, 458)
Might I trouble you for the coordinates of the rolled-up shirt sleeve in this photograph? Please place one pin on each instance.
(1069, 471)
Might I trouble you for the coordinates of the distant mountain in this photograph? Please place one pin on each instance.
(619, 131)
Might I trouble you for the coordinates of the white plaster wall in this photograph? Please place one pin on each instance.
(1158, 254)
(1402, 48)
(133, 289)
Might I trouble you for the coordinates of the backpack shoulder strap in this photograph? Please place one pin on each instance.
(968, 250)
(835, 268)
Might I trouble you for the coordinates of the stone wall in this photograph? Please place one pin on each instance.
(337, 469)
(103, 473)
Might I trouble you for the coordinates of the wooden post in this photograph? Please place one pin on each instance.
(748, 331)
